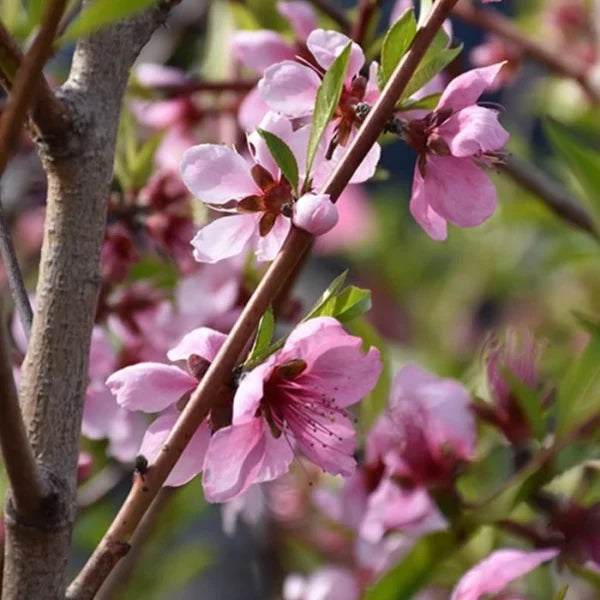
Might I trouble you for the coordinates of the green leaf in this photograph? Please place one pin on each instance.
(328, 96)
(433, 62)
(283, 156)
(414, 571)
(101, 13)
(264, 335)
(528, 402)
(579, 392)
(334, 287)
(397, 41)
(426, 103)
(588, 323)
(583, 161)
(562, 593)
(424, 10)
(348, 304)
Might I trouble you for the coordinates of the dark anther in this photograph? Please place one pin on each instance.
(361, 110)
(287, 210)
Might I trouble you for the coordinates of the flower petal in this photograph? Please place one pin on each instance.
(258, 50)
(99, 410)
(472, 130)
(424, 215)
(191, 460)
(252, 110)
(249, 393)
(269, 246)
(290, 88)
(204, 342)
(465, 89)
(216, 174)
(233, 460)
(492, 574)
(126, 435)
(301, 16)
(327, 45)
(150, 387)
(224, 238)
(458, 190)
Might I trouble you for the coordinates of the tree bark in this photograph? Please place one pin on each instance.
(79, 165)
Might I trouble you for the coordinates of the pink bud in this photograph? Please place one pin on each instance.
(315, 213)
(85, 465)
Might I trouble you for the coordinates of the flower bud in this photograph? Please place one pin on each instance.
(315, 213)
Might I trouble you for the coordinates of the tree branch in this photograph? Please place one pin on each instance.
(216, 379)
(551, 193)
(21, 468)
(562, 64)
(79, 164)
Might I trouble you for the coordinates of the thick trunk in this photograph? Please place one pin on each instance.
(79, 167)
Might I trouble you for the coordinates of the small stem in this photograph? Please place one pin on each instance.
(551, 193)
(216, 380)
(18, 456)
(227, 85)
(561, 64)
(14, 275)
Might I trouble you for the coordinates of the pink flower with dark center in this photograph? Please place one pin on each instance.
(159, 388)
(299, 396)
(451, 142)
(257, 191)
(494, 573)
(427, 432)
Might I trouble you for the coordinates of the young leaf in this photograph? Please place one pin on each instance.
(424, 10)
(397, 41)
(426, 103)
(562, 593)
(432, 63)
(328, 96)
(349, 303)
(334, 287)
(264, 335)
(283, 156)
(101, 13)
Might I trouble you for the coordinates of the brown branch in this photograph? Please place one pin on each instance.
(217, 378)
(550, 192)
(19, 461)
(226, 85)
(562, 64)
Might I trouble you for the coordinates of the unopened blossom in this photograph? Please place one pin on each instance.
(257, 191)
(452, 142)
(428, 431)
(258, 50)
(159, 388)
(494, 573)
(517, 357)
(296, 399)
(328, 583)
(579, 528)
(290, 88)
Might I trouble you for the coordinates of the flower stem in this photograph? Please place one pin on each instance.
(216, 379)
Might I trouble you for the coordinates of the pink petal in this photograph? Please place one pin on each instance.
(155, 75)
(204, 342)
(99, 410)
(252, 110)
(258, 50)
(279, 126)
(315, 213)
(277, 458)
(326, 46)
(497, 570)
(126, 435)
(301, 16)
(424, 215)
(409, 378)
(399, 8)
(102, 356)
(191, 460)
(249, 393)
(233, 460)
(290, 88)
(473, 130)
(268, 247)
(465, 89)
(150, 387)
(365, 170)
(159, 114)
(216, 174)
(224, 238)
(458, 190)
(329, 583)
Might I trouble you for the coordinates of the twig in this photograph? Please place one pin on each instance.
(562, 64)
(19, 460)
(216, 379)
(14, 275)
(334, 12)
(360, 27)
(226, 85)
(551, 193)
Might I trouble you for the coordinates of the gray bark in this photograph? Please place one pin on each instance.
(79, 165)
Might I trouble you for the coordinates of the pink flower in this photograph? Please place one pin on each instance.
(257, 190)
(491, 575)
(155, 387)
(290, 88)
(448, 184)
(495, 49)
(328, 583)
(427, 432)
(299, 395)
